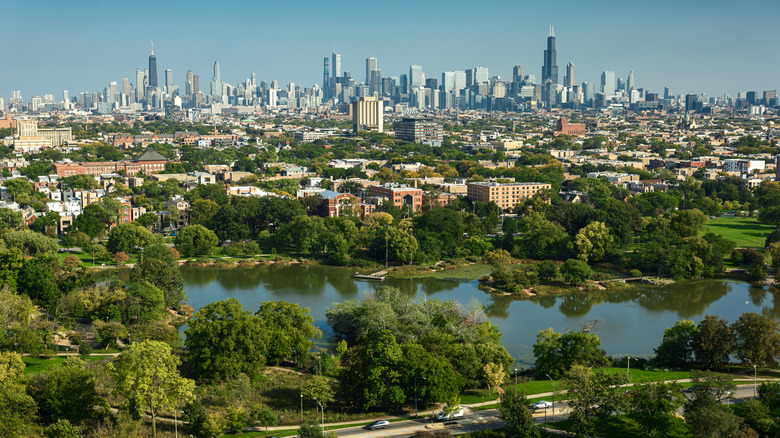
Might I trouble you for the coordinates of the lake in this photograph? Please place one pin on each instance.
(629, 322)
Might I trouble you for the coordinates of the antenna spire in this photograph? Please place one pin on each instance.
(552, 31)
(152, 46)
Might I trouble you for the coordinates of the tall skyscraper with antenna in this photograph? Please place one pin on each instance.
(152, 69)
(550, 67)
(216, 83)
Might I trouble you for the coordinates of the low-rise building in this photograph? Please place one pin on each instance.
(505, 195)
(419, 130)
(400, 194)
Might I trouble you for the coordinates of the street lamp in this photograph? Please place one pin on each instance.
(301, 408)
(322, 409)
(628, 371)
(755, 380)
(415, 394)
(175, 422)
(515, 378)
(553, 397)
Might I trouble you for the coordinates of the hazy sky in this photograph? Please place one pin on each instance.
(713, 47)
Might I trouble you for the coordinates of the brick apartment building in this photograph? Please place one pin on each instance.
(504, 195)
(400, 194)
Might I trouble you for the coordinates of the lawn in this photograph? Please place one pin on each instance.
(36, 365)
(621, 426)
(469, 271)
(747, 232)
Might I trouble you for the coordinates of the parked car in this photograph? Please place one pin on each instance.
(379, 424)
(442, 416)
(544, 404)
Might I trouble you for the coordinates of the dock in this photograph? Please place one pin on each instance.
(379, 276)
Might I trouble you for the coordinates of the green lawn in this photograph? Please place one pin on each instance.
(622, 426)
(36, 365)
(745, 231)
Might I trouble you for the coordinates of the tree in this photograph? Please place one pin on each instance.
(542, 239)
(494, 375)
(17, 409)
(556, 353)
(575, 271)
(93, 220)
(548, 271)
(400, 244)
(61, 429)
(757, 339)
(318, 387)
(676, 348)
(224, 340)
(654, 405)
(147, 373)
(310, 430)
(593, 397)
(195, 240)
(370, 376)
(289, 330)
(67, 392)
(265, 417)
(145, 303)
(18, 186)
(593, 242)
(10, 219)
(712, 343)
(515, 413)
(31, 243)
(147, 219)
(125, 237)
(159, 267)
(36, 280)
(705, 416)
(202, 210)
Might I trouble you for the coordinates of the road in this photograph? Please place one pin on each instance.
(483, 420)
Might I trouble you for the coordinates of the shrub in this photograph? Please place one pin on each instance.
(635, 273)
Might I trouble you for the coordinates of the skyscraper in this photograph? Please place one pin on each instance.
(370, 65)
(630, 81)
(189, 85)
(517, 74)
(152, 69)
(569, 81)
(336, 64)
(550, 67)
(326, 77)
(216, 83)
(416, 78)
(608, 83)
(140, 87)
(168, 81)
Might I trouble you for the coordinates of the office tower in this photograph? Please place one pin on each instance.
(480, 75)
(375, 82)
(471, 77)
(370, 65)
(168, 81)
(432, 83)
(216, 84)
(416, 78)
(549, 94)
(336, 64)
(152, 69)
(691, 102)
(189, 85)
(2, 104)
(667, 94)
(630, 81)
(460, 80)
(550, 67)
(195, 84)
(621, 85)
(140, 91)
(404, 84)
(66, 96)
(127, 88)
(448, 81)
(367, 114)
(588, 92)
(569, 81)
(517, 74)
(608, 84)
(326, 76)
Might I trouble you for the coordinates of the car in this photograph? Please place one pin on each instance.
(544, 404)
(379, 424)
(443, 415)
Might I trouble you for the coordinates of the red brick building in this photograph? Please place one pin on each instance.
(400, 194)
(564, 127)
(149, 162)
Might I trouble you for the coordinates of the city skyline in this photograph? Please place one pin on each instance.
(689, 50)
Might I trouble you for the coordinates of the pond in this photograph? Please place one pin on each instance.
(629, 322)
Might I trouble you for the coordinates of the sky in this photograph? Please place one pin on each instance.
(715, 47)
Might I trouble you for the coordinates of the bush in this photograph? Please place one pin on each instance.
(635, 273)
(85, 349)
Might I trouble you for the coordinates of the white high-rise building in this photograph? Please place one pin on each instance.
(608, 84)
(140, 88)
(216, 84)
(416, 77)
(480, 75)
(168, 81)
(370, 65)
(367, 114)
(335, 65)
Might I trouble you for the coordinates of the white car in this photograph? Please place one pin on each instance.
(442, 416)
(379, 424)
(544, 404)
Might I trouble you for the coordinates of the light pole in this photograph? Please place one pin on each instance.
(301, 408)
(515, 378)
(628, 371)
(322, 409)
(755, 380)
(385, 246)
(175, 423)
(553, 397)
(415, 394)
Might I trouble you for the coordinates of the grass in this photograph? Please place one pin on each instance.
(747, 232)
(543, 386)
(620, 427)
(469, 271)
(34, 365)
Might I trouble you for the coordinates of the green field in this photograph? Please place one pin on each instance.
(36, 365)
(747, 232)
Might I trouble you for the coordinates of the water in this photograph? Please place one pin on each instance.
(628, 322)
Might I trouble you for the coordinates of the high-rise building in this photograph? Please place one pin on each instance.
(608, 84)
(569, 80)
(367, 114)
(481, 75)
(370, 65)
(189, 84)
(416, 77)
(550, 67)
(326, 77)
(375, 82)
(216, 83)
(517, 74)
(336, 64)
(140, 87)
(630, 81)
(168, 80)
(152, 69)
